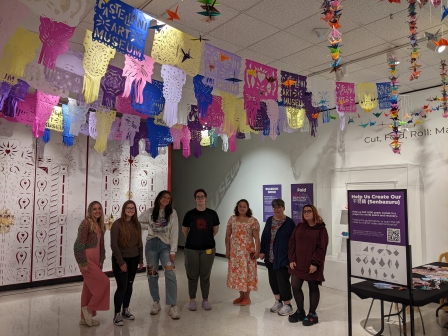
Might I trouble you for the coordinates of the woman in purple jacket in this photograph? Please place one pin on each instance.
(307, 250)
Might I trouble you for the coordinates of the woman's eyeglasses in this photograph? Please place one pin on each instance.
(307, 211)
(128, 208)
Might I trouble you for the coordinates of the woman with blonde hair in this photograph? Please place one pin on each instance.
(127, 257)
(90, 254)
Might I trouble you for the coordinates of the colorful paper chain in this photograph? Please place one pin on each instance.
(332, 11)
(396, 133)
(413, 39)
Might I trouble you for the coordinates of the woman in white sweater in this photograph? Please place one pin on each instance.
(161, 244)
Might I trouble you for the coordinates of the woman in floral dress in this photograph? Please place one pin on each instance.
(242, 250)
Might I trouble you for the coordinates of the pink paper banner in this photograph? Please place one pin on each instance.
(260, 83)
(345, 97)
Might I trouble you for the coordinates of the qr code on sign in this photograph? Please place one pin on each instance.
(393, 236)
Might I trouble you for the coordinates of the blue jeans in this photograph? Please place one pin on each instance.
(156, 250)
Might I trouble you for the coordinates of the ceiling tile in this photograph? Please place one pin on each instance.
(287, 67)
(252, 55)
(280, 45)
(309, 58)
(416, 85)
(358, 40)
(240, 5)
(363, 76)
(157, 8)
(244, 30)
(305, 28)
(285, 14)
(366, 11)
(431, 58)
(227, 46)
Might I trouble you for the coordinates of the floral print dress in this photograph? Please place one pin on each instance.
(242, 272)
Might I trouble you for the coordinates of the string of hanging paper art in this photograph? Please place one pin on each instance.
(332, 10)
(396, 134)
(413, 39)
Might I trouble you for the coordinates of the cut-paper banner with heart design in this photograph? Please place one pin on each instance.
(137, 72)
(54, 36)
(69, 12)
(22, 236)
(40, 254)
(115, 208)
(21, 257)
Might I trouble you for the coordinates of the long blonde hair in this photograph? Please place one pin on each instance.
(92, 220)
(124, 239)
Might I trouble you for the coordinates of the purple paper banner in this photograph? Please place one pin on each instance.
(383, 90)
(293, 88)
(301, 194)
(220, 68)
(377, 216)
(270, 192)
(345, 97)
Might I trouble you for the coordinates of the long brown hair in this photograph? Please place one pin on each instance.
(316, 217)
(124, 238)
(92, 220)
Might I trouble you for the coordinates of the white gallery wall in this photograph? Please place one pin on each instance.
(300, 158)
(48, 187)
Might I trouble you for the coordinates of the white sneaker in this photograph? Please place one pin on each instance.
(286, 310)
(155, 308)
(174, 312)
(94, 322)
(277, 306)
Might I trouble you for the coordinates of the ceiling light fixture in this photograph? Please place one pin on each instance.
(434, 45)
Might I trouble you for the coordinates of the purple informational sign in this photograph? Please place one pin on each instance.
(378, 216)
(301, 194)
(270, 192)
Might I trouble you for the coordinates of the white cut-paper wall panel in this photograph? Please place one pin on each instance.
(59, 206)
(17, 194)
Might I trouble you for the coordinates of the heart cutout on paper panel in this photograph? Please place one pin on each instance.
(142, 207)
(41, 235)
(41, 185)
(115, 208)
(25, 184)
(144, 182)
(42, 203)
(24, 202)
(22, 236)
(21, 257)
(40, 254)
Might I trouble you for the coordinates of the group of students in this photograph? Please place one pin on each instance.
(290, 251)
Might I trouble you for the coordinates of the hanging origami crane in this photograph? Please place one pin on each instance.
(332, 14)
(209, 10)
(413, 39)
(173, 15)
(444, 98)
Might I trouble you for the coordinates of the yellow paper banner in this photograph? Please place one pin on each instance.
(55, 123)
(104, 121)
(228, 104)
(295, 117)
(367, 96)
(173, 47)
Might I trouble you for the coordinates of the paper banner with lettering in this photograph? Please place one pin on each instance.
(293, 88)
(16, 93)
(121, 27)
(112, 85)
(153, 100)
(12, 13)
(54, 36)
(383, 90)
(17, 53)
(54, 123)
(260, 83)
(173, 47)
(345, 97)
(173, 82)
(367, 96)
(69, 12)
(195, 130)
(221, 69)
(137, 72)
(44, 107)
(159, 136)
(95, 62)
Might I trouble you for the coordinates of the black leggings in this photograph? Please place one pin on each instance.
(125, 281)
(279, 281)
(313, 286)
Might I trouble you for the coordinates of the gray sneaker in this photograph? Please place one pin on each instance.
(286, 310)
(206, 305)
(277, 306)
(155, 308)
(174, 312)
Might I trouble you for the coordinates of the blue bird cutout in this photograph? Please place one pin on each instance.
(364, 125)
(445, 13)
(378, 114)
(372, 123)
(350, 120)
(157, 27)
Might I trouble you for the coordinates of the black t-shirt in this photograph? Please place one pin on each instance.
(201, 223)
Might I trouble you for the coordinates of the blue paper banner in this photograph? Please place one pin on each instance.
(383, 90)
(153, 100)
(121, 27)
